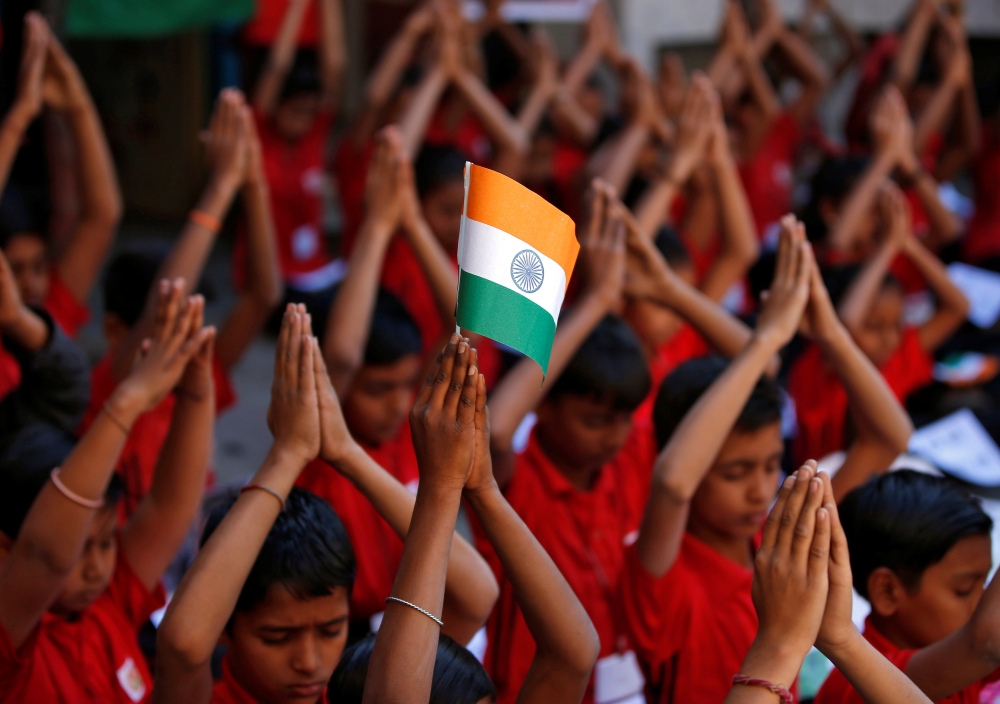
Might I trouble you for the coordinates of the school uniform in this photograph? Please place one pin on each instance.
(837, 690)
(821, 402)
(584, 532)
(686, 344)
(377, 548)
(93, 658)
(692, 627)
(768, 177)
(137, 462)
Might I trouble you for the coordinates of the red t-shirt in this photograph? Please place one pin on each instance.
(68, 313)
(350, 166)
(228, 691)
(768, 177)
(468, 137)
(137, 462)
(295, 175)
(263, 28)
(376, 545)
(837, 690)
(983, 238)
(403, 276)
(95, 658)
(692, 627)
(584, 532)
(686, 344)
(821, 401)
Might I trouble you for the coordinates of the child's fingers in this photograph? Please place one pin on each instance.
(307, 366)
(771, 526)
(207, 349)
(172, 312)
(806, 525)
(782, 264)
(482, 421)
(281, 349)
(430, 382)
(819, 548)
(469, 400)
(443, 380)
(456, 388)
(793, 507)
(293, 352)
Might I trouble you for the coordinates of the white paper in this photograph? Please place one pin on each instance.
(982, 288)
(960, 445)
(960, 369)
(534, 10)
(618, 679)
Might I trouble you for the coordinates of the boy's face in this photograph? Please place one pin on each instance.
(880, 335)
(655, 324)
(733, 499)
(945, 598)
(295, 115)
(94, 569)
(379, 399)
(285, 649)
(442, 209)
(29, 263)
(581, 432)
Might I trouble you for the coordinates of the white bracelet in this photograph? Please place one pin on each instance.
(426, 613)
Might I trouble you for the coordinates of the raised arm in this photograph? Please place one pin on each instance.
(17, 321)
(952, 305)
(207, 595)
(934, 116)
(739, 242)
(226, 142)
(684, 462)
(413, 124)
(470, 588)
(332, 50)
(51, 538)
(444, 437)
(155, 532)
(854, 43)
(509, 138)
(809, 69)
(882, 427)
(28, 100)
(263, 278)
(566, 644)
(280, 58)
(602, 262)
(911, 48)
(350, 316)
(876, 679)
(81, 258)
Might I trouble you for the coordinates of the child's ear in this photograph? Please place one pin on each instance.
(885, 591)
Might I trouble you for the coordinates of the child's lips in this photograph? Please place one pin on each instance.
(312, 689)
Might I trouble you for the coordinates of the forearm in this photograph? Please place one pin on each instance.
(332, 49)
(402, 661)
(652, 211)
(615, 162)
(470, 588)
(934, 115)
(944, 225)
(157, 529)
(207, 595)
(581, 68)
(387, 72)
(349, 321)
(437, 267)
(101, 198)
(949, 296)
(910, 49)
(874, 678)
(502, 128)
(522, 388)
(413, 125)
(27, 329)
(570, 113)
(768, 660)
(859, 202)
(533, 110)
(760, 85)
(562, 631)
(857, 301)
(12, 129)
(726, 333)
(739, 248)
(280, 58)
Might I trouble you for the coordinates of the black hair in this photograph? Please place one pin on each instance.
(907, 521)
(129, 277)
(668, 241)
(303, 76)
(503, 66)
(21, 212)
(458, 677)
(838, 281)
(685, 385)
(437, 166)
(307, 551)
(609, 366)
(393, 334)
(833, 180)
(25, 464)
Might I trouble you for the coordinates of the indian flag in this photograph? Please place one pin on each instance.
(515, 255)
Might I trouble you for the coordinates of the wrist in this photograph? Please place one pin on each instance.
(127, 402)
(773, 659)
(286, 453)
(767, 342)
(344, 457)
(20, 115)
(840, 650)
(482, 496)
(224, 184)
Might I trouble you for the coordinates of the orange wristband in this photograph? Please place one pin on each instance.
(209, 222)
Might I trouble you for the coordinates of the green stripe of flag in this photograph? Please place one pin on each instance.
(500, 314)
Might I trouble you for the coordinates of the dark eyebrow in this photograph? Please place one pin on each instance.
(292, 629)
(335, 622)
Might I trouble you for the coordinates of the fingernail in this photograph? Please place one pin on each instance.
(164, 286)
(455, 337)
(462, 347)
(814, 485)
(821, 514)
(789, 481)
(473, 370)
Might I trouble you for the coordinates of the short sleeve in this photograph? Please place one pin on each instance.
(225, 394)
(131, 596)
(655, 610)
(14, 663)
(66, 310)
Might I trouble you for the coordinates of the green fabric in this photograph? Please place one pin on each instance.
(500, 314)
(143, 18)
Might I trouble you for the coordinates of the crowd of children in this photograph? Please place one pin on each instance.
(436, 520)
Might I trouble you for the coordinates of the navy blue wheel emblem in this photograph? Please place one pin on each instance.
(527, 272)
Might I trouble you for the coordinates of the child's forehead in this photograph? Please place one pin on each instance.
(285, 609)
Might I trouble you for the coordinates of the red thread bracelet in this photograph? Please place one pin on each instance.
(783, 694)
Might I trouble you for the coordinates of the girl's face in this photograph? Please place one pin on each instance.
(880, 335)
(94, 569)
(442, 210)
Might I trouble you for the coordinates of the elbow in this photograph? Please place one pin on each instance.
(584, 657)
(668, 481)
(984, 635)
(181, 645)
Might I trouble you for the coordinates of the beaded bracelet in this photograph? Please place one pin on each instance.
(783, 694)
